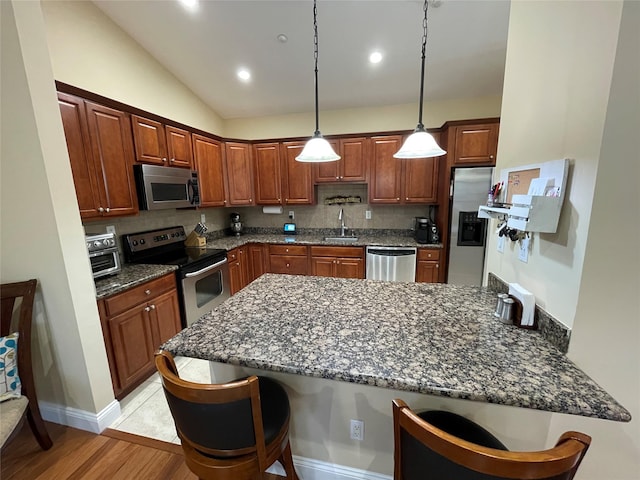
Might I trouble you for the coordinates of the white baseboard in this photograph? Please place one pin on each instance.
(310, 469)
(81, 419)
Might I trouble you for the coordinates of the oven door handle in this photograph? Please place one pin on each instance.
(205, 269)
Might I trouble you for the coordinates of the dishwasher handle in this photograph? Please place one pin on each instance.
(391, 253)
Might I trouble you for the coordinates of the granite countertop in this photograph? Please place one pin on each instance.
(435, 339)
(130, 276)
(229, 243)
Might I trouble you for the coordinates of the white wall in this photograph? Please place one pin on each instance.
(40, 229)
(571, 90)
(89, 51)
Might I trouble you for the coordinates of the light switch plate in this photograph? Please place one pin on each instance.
(111, 229)
(523, 254)
(203, 218)
(500, 247)
(367, 215)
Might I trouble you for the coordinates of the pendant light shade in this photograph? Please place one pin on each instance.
(317, 149)
(421, 144)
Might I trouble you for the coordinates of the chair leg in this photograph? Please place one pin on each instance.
(37, 426)
(287, 462)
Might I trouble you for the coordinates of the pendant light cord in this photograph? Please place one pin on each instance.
(424, 49)
(315, 56)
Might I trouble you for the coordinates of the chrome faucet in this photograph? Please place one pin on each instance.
(342, 225)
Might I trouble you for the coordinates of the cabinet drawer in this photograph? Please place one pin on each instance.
(288, 250)
(342, 252)
(132, 297)
(295, 265)
(428, 254)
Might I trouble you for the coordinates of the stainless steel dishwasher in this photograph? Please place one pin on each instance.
(393, 264)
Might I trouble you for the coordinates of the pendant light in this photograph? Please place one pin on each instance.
(317, 149)
(421, 144)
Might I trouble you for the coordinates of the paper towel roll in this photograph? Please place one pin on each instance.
(272, 210)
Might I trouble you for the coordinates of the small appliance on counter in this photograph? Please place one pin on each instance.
(426, 231)
(103, 254)
(236, 224)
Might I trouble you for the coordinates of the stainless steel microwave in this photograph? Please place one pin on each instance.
(166, 187)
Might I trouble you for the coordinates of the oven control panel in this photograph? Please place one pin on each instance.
(138, 242)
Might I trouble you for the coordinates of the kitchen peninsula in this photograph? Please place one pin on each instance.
(433, 339)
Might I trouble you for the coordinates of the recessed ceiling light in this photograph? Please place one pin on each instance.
(244, 75)
(375, 57)
(282, 38)
(191, 5)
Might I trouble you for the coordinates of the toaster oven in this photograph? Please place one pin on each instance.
(103, 254)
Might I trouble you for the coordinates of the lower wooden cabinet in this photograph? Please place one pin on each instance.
(237, 269)
(134, 324)
(291, 259)
(428, 265)
(257, 261)
(340, 262)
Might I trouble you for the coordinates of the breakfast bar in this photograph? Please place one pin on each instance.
(433, 339)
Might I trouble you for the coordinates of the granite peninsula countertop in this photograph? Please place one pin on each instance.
(130, 276)
(429, 338)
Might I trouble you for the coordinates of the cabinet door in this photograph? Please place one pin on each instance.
(421, 180)
(74, 122)
(112, 154)
(237, 273)
(150, 140)
(133, 345)
(209, 164)
(349, 268)
(427, 272)
(239, 176)
(323, 266)
(297, 181)
(329, 172)
(179, 149)
(256, 261)
(386, 171)
(354, 159)
(476, 144)
(164, 314)
(267, 180)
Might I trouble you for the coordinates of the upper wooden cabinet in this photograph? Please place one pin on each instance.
(239, 177)
(158, 144)
(297, 178)
(101, 153)
(208, 157)
(267, 179)
(401, 181)
(474, 144)
(352, 166)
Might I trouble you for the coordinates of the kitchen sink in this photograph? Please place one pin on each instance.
(340, 239)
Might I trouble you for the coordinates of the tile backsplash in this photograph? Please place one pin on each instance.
(394, 217)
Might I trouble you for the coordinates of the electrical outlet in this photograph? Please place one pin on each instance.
(111, 229)
(367, 215)
(292, 214)
(203, 218)
(357, 429)
(523, 254)
(501, 244)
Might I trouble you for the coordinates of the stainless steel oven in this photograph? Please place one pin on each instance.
(202, 274)
(103, 254)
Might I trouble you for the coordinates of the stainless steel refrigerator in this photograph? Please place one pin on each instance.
(468, 233)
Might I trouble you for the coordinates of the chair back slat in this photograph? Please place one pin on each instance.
(420, 445)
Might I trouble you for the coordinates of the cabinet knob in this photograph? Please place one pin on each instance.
(251, 199)
(407, 198)
(341, 178)
(146, 309)
(152, 307)
(398, 198)
(287, 265)
(147, 292)
(107, 209)
(100, 209)
(164, 160)
(286, 250)
(437, 265)
(337, 178)
(491, 157)
(172, 160)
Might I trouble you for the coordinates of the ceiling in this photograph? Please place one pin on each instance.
(204, 49)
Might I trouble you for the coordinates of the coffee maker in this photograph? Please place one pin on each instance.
(426, 231)
(236, 224)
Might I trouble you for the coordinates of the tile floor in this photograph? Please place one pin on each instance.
(145, 411)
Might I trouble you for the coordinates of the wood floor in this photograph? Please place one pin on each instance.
(81, 455)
